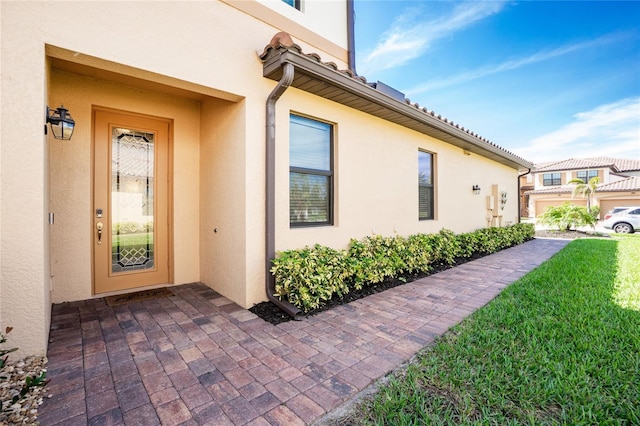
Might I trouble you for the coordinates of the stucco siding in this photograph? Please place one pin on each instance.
(71, 183)
(376, 179)
(317, 26)
(196, 66)
(24, 277)
(542, 205)
(622, 199)
(222, 214)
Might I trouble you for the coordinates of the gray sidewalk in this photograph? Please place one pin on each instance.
(197, 358)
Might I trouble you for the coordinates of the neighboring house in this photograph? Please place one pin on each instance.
(195, 157)
(548, 184)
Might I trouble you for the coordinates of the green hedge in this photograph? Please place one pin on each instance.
(308, 277)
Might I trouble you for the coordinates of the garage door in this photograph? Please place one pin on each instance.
(542, 205)
(606, 205)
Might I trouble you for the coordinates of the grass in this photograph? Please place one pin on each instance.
(139, 239)
(559, 346)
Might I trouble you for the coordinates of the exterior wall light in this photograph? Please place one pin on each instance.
(476, 189)
(61, 123)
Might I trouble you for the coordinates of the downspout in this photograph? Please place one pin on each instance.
(351, 43)
(520, 196)
(270, 243)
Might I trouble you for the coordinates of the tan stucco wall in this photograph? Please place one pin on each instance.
(24, 245)
(538, 202)
(324, 18)
(317, 26)
(627, 196)
(223, 214)
(209, 51)
(376, 182)
(210, 47)
(71, 179)
(608, 201)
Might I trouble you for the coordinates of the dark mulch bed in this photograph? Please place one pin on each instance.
(271, 313)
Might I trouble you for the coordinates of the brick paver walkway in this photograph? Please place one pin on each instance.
(197, 358)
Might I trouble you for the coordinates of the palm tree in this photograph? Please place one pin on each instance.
(585, 189)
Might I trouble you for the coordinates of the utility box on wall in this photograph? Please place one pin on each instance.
(490, 202)
(495, 206)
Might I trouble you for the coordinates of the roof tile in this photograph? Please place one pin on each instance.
(631, 183)
(283, 41)
(616, 164)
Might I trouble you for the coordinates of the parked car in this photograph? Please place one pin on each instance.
(625, 221)
(614, 211)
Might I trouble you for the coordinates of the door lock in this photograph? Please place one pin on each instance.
(99, 227)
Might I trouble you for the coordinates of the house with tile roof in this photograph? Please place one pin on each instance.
(147, 147)
(548, 184)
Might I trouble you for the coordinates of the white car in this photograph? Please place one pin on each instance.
(614, 211)
(623, 220)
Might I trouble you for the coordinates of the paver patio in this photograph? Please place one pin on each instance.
(198, 358)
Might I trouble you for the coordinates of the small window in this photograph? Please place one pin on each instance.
(586, 175)
(293, 3)
(425, 185)
(551, 179)
(310, 172)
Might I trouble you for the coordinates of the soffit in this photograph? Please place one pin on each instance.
(91, 66)
(325, 80)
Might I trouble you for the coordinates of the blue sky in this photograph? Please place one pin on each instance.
(547, 80)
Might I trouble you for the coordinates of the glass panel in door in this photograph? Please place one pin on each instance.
(132, 215)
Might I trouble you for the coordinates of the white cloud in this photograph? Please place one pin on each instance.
(611, 130)
(406, 40)
(512, 64)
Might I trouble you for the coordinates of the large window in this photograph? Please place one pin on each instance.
(310, 172)
(586, 175)
(425, 185)
(551, 179)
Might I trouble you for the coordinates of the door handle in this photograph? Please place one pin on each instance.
(99, 227)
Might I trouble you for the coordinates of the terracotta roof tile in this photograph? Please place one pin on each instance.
(564, 189)
(616, 164)
(629, 184)
(282, 41)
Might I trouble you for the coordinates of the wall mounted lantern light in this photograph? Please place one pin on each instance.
(61, 123)
(476, 189)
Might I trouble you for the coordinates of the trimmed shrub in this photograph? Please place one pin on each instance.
(374, 259)
(311, 276)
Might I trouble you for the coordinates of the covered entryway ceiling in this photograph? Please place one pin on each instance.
(102, 69)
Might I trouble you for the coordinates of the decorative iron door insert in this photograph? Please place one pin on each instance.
(130, 201)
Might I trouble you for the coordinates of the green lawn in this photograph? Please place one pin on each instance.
(560, 346)
(139, 239)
